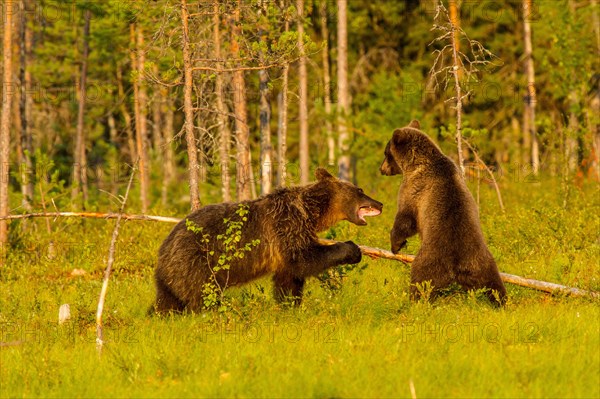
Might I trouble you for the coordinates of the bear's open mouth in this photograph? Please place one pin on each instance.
(364, 211)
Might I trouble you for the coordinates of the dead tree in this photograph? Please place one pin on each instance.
(451, 65)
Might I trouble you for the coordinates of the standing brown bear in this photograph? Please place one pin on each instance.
(435, 202)
(278, 232)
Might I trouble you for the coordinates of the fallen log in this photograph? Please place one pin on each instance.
(373, 252)
(507, 278)
(91, 215)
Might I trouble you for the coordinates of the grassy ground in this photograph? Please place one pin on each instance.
(363, 340)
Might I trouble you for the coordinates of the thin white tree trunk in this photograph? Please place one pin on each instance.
(327, 86)
(190, 138)
(530, 101)
(454, 21)
(282, 105)
(303, 98)
(343, 92)
(224, 132)
(242, 132)
(266, 163)
(25, 110)
(168, 133)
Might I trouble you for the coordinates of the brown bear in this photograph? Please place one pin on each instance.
(279, 232)
(435, 202)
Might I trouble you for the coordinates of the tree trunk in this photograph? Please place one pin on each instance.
(327, 86)
(113, 134)
(455, 23)
(224, 132)
(26, 147)
(139, 142)
(266, 164)
(303, 98)
(79, 166)
(157, 107)
(188, 111)
(201, 140)
(596, 22)
(530, 100)
(282, 104)
(142, 126)
(126, 115)
(265, 132)
(343, 91)
(572, 142)
(241, 126)
(169, 156)
(7, 93)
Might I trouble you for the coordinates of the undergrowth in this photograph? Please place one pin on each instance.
(356, 334)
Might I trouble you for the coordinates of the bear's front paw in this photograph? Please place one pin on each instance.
(354, 255)
(396, 247)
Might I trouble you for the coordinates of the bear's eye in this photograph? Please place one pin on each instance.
(360, 191)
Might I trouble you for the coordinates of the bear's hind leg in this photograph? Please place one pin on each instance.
(165, 300)
(493, 284)
(430, 279)
(497, 298)
(288, 288)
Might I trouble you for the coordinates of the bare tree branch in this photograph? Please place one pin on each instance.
(109, 263)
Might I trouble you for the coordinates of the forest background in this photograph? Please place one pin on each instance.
(227, 100)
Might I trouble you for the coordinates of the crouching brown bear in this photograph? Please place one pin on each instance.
(435, 202)
(278, 232)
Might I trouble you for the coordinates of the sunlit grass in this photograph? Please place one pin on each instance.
(365, 340)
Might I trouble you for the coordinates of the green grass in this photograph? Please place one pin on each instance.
(365, 340)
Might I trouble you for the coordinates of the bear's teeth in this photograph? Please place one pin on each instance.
(368, 211)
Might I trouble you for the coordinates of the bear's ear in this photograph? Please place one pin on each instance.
(323, 174)
(414, 124)
(399, 138)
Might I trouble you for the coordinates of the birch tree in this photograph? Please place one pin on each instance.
(192, 151)
(265, 116)
(242, 133)
(530, 98)
(26, 147)
(343, 91)
(282, 106)
(302, 98)
(327, 85)
(222, 119)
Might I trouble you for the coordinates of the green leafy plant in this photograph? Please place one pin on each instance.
(232, 249)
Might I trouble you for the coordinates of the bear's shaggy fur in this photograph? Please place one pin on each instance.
(435, 202)
(286, 222)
